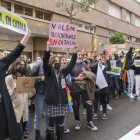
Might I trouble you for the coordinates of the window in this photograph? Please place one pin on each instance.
(110, 33)
(79, 25)
(87, 28)
(138, 41)
(39, 14)
(28, 11)
(6, 5)
(137, 21)
(128, 15)
(138, 0)
(18, 9)
(47, 16)
(114, 10)
(128, 38)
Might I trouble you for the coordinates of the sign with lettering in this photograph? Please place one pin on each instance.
(25, 84)
(12, 21)
(132, 135)
(62, 35)
(115, 48)
(114, 71)
(137, 63)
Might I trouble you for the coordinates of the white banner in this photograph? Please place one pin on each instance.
(100, 79)
(132, 135)
(12, 21)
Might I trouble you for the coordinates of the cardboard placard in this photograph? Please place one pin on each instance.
(62, 35)
(25, 84)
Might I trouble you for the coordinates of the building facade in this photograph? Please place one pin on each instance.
(109, 16)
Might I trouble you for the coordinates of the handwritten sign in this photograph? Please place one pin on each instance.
(62, 35)
(12, 21)
(25, 84)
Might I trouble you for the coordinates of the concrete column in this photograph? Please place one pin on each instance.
(132, 21)
(12, 7)
(123, 14)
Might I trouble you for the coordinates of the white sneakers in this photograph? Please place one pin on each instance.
(108, 107)
(131, 96)
(101, 108)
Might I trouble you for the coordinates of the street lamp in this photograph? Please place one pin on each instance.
(92, 26)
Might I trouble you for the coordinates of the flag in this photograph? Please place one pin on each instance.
(94, 43)
(70, 109)
(124, 78)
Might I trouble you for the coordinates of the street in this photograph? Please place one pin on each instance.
(124, 117)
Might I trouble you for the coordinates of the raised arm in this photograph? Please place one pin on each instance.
(128, 55)
(71, 65)
(46, 58)
(17, 51)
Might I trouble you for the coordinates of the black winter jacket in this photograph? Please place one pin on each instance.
(137, 69)
(40, 85)
(129, 60)
(94, 68)
(56, 89)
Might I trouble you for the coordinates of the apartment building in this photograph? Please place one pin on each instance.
(108, 15)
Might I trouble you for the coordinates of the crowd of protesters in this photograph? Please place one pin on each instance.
(53, 76)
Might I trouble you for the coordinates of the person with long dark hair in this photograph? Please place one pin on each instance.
(79, 67)
(19, 101)
(56, 96)
(8, 124)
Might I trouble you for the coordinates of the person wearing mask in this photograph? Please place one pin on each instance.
(130, 70)
(79, 67)
(122, 57)
(137, 76)
(28, 61)
(19, 101)
(38, 59)
(39, 101)
(9, 127)
(56, 96)
(102, 94)
(118, 78)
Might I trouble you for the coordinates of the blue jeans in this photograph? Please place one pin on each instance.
(27, 123)
(117, 82)
(113, 85)
(40, 105)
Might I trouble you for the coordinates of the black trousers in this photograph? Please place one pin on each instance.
(102, 97)
(22, 126)
(3, 122)
(56, 120)
(76, 105)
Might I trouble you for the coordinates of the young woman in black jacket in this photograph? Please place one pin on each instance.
(56, 96)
